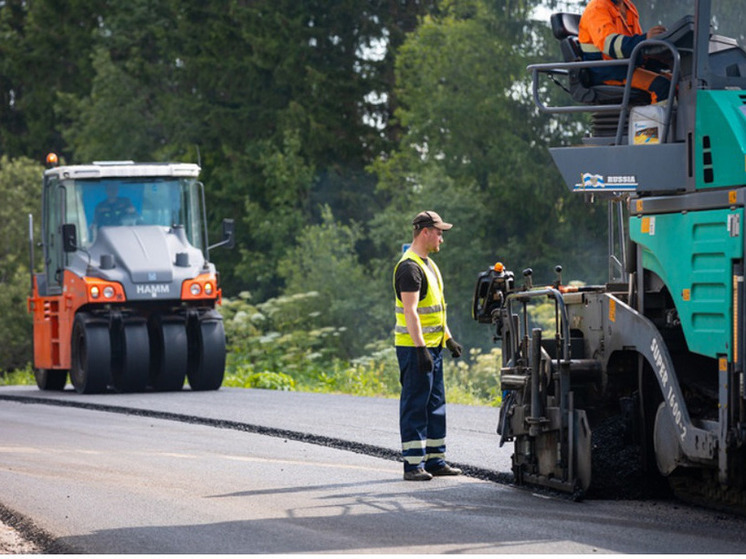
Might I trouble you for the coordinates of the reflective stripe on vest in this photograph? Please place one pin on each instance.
(603, 30)
(431, 309)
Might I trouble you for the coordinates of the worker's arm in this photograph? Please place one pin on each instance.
(409, 300)
(607, 33)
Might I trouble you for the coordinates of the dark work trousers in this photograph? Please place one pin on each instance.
(422, 410)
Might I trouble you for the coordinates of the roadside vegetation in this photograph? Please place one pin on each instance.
(18, 376)
(279, 345)
(283, 344)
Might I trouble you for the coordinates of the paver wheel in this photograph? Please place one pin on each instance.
(90, 370)
(206, 352)
(168, 352)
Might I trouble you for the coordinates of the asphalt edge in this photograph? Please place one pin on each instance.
(331, 442)
(47, 544)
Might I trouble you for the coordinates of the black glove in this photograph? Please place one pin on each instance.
(455, 348)
(425, 362)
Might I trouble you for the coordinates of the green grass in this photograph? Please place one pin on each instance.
(473, 382)
(18, 377)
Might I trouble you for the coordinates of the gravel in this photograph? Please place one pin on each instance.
(20, 536)
(13, 543)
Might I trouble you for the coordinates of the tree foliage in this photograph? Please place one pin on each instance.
(325, 261)
(19, 190)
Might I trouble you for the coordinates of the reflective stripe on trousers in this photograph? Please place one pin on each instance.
(422, 410)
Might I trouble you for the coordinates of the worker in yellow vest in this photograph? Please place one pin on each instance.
(420, 333)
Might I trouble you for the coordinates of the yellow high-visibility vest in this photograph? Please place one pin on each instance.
(431, 309)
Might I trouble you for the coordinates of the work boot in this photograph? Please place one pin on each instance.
(417, 475)
(444, 470)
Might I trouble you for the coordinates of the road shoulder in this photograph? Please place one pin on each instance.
(13, 543)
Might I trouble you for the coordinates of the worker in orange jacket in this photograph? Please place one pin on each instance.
(610, 29)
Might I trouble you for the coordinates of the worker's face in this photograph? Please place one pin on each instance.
(434, 237)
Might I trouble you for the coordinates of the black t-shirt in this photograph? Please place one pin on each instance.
(410, 277)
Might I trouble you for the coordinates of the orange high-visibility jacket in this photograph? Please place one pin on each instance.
(604, 33)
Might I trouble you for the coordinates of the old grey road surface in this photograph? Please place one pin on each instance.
(229, 472)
